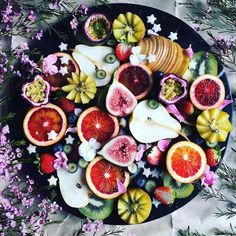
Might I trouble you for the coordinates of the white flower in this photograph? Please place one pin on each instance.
(136, 50)
(136, 58)
(88, 150)
(151, 58)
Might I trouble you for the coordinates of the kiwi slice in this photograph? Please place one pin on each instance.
(180, 190)
(98, 208)
(205, 63)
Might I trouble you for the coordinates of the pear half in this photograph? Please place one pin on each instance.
(149, 125)
(73, 188)
(91, 58)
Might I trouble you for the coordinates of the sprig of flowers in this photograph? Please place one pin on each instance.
(23, 212)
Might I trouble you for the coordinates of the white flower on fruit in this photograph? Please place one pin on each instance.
(64, 60)
(151, 58)
(136, 58)
(88, 150)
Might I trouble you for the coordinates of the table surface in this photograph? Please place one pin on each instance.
(198, 214)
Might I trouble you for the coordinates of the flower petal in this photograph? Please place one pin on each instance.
(173, 110)
(163, 144)
(121, 187)
(226, 103)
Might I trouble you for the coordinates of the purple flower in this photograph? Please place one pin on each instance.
(5, 203)
(83, 9)
(140, 150)
(31, 16)
(61, 161)
(39, 35)
(74, 24)
(24, 59)
(209, 177)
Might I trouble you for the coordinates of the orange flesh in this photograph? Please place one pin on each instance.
(98, 125)
(104, 176)
(42, 122)
(186, 161)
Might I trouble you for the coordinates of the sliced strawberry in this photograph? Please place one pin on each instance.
(213, 156)
(46, 163)
(164, 194)
(66, 105)
(123, 51)
(154, 155)
(186, 108)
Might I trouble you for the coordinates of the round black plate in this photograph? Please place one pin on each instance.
(49, 44)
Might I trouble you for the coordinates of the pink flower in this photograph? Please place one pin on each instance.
(48, 64)
(61, 161)
(74, 24)
(208, 178)
(121, 187)
(163, 144)
(140, 150)
(189, 51)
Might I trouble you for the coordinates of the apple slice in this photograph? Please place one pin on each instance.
(149, 125)
(73, 188)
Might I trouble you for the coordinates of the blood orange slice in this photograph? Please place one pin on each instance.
(102, 177)
(42, 121)
(94, 123)
(186, 161)
(207, 92)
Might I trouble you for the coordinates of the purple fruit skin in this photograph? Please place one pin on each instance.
(184, 84)
(86, 24)
(47, 92)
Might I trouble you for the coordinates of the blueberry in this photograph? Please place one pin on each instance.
(197, 139)
(158, 75)
(141, 181)
(72, 118)
(58, 148)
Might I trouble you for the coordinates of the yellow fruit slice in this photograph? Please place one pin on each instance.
(128, 28)
(186, 161)
(134, 206)
(213, 125)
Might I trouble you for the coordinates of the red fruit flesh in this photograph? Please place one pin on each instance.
(135, 79)
(66, 105)
(122, 150)
(44, 121)
(46, 163)
(104, 176)
(207, 92)
(164, 194)
(121, 102)
(98, 125)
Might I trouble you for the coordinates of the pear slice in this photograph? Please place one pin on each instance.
(149, 125)
(73, 188)
(90, 58)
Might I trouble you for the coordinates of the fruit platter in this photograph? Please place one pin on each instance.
(124, 118)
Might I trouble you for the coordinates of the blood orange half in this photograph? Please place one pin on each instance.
(186, 161)
(207, 92)
(102, 176)
(39, 122)
(94, 123)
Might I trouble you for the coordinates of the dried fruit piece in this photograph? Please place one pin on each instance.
(46, 163)
(81, 88)
(213, 125)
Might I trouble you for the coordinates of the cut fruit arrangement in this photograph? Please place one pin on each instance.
(107, 120)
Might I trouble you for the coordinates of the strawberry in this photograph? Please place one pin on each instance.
(213, 155)
(164, 194)
(123, 51)
(66, 105)
(46, 163)
(186, 108)
(154, 156)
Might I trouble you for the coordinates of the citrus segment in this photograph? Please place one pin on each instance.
(94, 123)
(102, 177)
(39, 122)
(186, 161)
